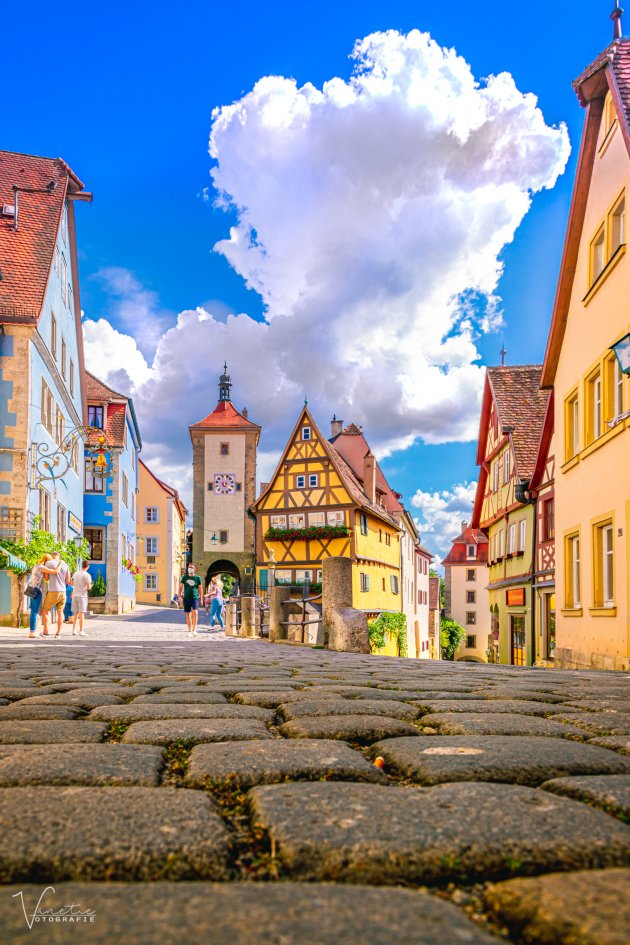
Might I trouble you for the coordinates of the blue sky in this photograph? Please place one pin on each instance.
(126, 99)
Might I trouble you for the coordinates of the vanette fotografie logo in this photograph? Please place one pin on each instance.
(70, 913)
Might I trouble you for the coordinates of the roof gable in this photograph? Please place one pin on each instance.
(353, 447)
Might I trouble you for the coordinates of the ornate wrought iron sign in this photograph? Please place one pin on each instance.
(50, 463)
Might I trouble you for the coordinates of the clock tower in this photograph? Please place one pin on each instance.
(224, 487)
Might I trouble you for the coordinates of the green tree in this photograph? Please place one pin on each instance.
(31, 551)
(452, 635)
(98, 587)
(228, 581)
(395, 624)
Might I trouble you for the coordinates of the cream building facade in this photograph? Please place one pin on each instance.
(162, 538)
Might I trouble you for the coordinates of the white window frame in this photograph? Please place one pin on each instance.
(63, 279)
(53, 335)
(618, 390)
(297, 520)
(506, 467)
(278, 521)
(496, 474)
(300, 482)
(152, 545)
(71, 377)
(306, 433)
(313, 480)
(522, 534)
(125, 490)
(575, 566)
(471, 552)
(150, 575)
(608, 566)
(317, 519)
(576, 426)
(364, 582)
(393, 583)
(338, 517)
(597, 407)
(45, 509)
(511, 538)
(148, 519)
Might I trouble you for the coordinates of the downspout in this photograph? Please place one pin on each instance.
(519, 493)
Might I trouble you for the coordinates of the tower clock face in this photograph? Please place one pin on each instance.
(224, 483)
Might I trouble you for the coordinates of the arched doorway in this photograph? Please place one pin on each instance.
(224, 566)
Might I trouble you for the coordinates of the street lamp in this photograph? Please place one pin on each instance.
(622, 351)
(214, 539)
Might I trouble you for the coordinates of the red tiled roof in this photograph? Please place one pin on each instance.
(224, 416)
(353, 447)
(115, 410)
(98, 391)
(521, 405)
(434, 593)
(469, 536)
(27, 254)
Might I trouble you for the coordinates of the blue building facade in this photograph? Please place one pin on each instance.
(110, 502)
(42, 404)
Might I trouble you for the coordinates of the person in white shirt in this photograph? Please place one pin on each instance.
(81, 582)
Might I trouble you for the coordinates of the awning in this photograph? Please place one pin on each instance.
(14, 561)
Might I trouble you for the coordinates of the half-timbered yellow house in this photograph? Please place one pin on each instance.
(316, 506)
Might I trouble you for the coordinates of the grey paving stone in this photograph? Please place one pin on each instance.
(267, 762)
(80, 764)
(512, 759)
(48, 732)
(599, 723)
(50, 834)
(146, 713)
(462, 723)
(345, 707)
(23, 692)
(357, 728)
(488, 706)
(271, 700)
(242, 914)
(582, 908)
(452, 832)
(189, 698)
(84, 699)
(18, 711)
(355, 692)
(620, 743)
(529, 695)
(610, 793)
(201, 730)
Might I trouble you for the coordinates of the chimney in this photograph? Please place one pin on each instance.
(369, 476)
(464, 525)
(336, 426)
(244, 412)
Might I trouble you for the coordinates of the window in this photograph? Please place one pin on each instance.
(92, 483)
(239, 486)
(151, 513)
(56, 260)
(125, 490)
(317, 519)
(53, 336)
(124, 546)
(125, 437)
(383, 583)
(44, 509)
(133, 505)
(471, 617)
(496, 473)
(225, 449)
(64, 225)
(336, 518)
(133, 460)
(59, 427)
(604, 565)
(573, 582)
(72, 378)
(150, 581)
(223, 537)
(614, 388)
(47, 407)
(210, 487)
(313, 480)
(471, 642)
(64, 355)
(363, 523)
(471, 597)
(300, 482)
(471, 574)
(63, 278)
(618, 226)
(548, 520)
(306, 433)
(471, 551)
(617, 390)
(610, 115)
(297, 520)
(522, 534)
(94, 538)
(511, 545)
(501, 543)
(278, 521)
(597, 255)
(393, 580)
(388, 538)
(571, 426)
(95, 416)
(365, 582)
(506, 467)
(75, 456)
(151, 546)
(594, 407)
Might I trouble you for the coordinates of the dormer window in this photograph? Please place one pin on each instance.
(471, 551)
(306, 433)
(95, 417)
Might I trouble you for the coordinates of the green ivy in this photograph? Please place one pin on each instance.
(452, 635)
(394, 624)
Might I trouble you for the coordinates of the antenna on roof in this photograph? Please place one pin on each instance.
(503, 353)
(615, 16)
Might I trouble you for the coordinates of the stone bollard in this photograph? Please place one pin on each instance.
(278, 613)
(229, 616)
(248, 617)
(345, 628)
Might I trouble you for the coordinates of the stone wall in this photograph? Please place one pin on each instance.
(345, 628)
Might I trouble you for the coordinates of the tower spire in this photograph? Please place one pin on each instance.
(503, 353)
(225, 385)
(615, 16)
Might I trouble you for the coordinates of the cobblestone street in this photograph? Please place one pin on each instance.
(214, 790)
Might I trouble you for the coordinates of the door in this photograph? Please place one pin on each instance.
(517, 636)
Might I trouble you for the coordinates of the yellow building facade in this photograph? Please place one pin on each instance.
(592, 396)
(161, 546)
(315, 507)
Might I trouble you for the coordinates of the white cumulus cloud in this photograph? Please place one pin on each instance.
(441, 513)
(370, 217)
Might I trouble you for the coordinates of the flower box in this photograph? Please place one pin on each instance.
(306, 534)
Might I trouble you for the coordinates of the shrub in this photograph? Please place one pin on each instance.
(396, 625)
(98, 587)
(452, 635)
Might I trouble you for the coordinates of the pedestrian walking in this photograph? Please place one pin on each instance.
(35, 590)
(81, 582)
(216, 605)
(55, 598)
(67, 610)
(207, 600)
(189, 589)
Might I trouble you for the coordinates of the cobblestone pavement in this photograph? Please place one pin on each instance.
(217, 790)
